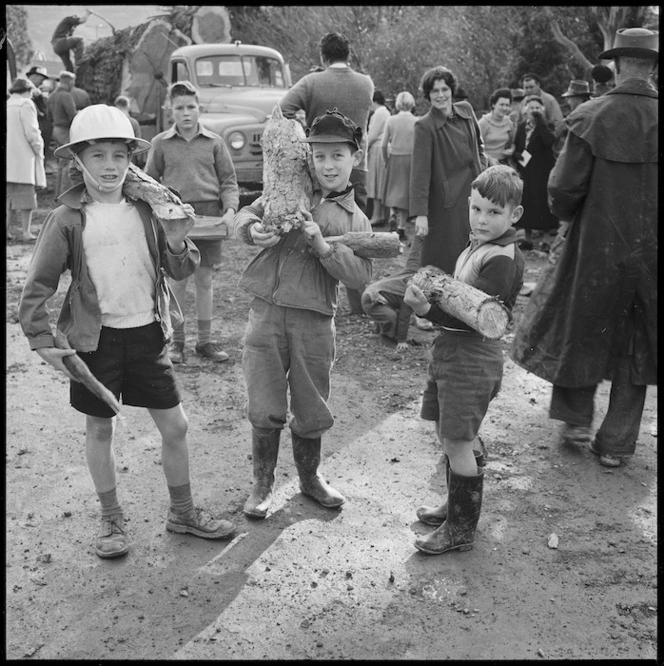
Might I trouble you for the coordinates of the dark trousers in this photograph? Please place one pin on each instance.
(359, 180)
(63, 45)
(620, 428)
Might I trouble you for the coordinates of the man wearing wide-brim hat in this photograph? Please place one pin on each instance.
(577, 92)
(37, 75)
(596, 319)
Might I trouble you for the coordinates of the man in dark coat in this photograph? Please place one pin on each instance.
(598, 319)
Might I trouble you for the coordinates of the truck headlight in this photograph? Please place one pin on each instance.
(237, 140)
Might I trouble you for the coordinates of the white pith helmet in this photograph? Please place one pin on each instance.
(100, 122)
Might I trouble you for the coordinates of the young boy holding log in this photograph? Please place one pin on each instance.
(195, 161)
(465, 369)
(290, 337)
(115, 315)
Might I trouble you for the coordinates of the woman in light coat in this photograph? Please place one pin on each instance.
(375, 164)
(397, 147)
(25, 155)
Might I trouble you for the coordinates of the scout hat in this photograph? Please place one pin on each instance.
(100, 122)
(635, 42)
(577, 88)
(36, 69)
(334, 127)
(517, 94)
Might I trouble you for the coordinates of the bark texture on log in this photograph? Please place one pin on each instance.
(484, 313)
(82, 374)
(287, 173)
(370, 244)
(164, 204)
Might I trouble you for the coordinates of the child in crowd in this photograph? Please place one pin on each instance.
(383, 300)
(115, 314)
(465, 369)
(290, 337)
(196, 163)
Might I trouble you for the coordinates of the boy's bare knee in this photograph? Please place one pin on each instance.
(99, 428)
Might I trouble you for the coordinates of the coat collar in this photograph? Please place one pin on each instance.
(346, 200)
(462, 109)
(173, 132)
(634, 87)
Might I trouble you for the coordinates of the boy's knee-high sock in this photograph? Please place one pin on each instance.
(109, 503)
(204, 330)
(182, 501)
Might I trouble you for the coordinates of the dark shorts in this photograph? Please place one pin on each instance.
(464, 375)
(210, 249)
(133, 364)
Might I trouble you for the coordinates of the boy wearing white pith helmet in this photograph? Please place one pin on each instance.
(116, 313)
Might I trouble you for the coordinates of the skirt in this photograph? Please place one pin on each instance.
(376, 172)
(21, 196)
(397, 181)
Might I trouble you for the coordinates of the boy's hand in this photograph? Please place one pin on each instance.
(421, 225)
(176, 230)
(53, 356)
(227, 218)
(415, 299)
(262, 237)
(313, 234)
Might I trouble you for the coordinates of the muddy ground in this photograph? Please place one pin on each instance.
(308, 583)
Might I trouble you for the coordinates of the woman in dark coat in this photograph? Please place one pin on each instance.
(448, 154)
(534, 142)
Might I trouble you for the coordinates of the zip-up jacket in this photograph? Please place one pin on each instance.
(60, 247)
(291, 274)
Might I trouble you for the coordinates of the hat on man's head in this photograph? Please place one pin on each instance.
(634, 42)
(334, 127)
(517, 94)
(36, 69)
(100, 122)
(577, 88)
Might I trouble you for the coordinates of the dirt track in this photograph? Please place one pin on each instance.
(310, 583)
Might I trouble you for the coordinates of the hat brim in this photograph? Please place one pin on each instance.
(576, 94)
(65, 151)
(328, 138)
(630, 51)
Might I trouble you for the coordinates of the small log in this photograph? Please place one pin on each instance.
(82, 374)
(484, 313)
(370, 244)
(164, 203)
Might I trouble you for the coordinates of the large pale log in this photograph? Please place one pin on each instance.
(287, 180)
(484, 313)
(164, 203)
(371, 244)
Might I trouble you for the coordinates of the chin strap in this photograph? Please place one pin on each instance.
(103, 187)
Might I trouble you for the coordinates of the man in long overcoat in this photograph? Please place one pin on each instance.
(597, 318)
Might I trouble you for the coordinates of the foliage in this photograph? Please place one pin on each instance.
(17, 32)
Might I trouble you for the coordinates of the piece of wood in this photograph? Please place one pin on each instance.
(287, 180)
(164, 203)
(82, 374)
(207, 227)
(370, 244)
(484, 313)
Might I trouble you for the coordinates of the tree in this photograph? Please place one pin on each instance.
(17, 32)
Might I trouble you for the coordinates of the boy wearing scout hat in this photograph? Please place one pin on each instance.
(290, 337)
(116, 314)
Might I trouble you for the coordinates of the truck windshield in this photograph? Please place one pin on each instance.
(247, 70)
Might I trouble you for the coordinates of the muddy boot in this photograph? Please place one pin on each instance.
(464, 497)
(435, 515)
(264, 452)
(306, 453)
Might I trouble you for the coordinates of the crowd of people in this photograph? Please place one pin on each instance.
(468, 186)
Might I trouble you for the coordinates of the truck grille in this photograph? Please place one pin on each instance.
(255, 144)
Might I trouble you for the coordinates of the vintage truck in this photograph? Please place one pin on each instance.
(238, 86)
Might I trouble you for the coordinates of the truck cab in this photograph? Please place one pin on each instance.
(238, 86)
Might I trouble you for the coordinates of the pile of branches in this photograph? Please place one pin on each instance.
(100, 69)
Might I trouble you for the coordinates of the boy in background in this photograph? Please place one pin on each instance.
(115, 315)
(383, 300)
(196, 163)
(290, 336)
(466, 369)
